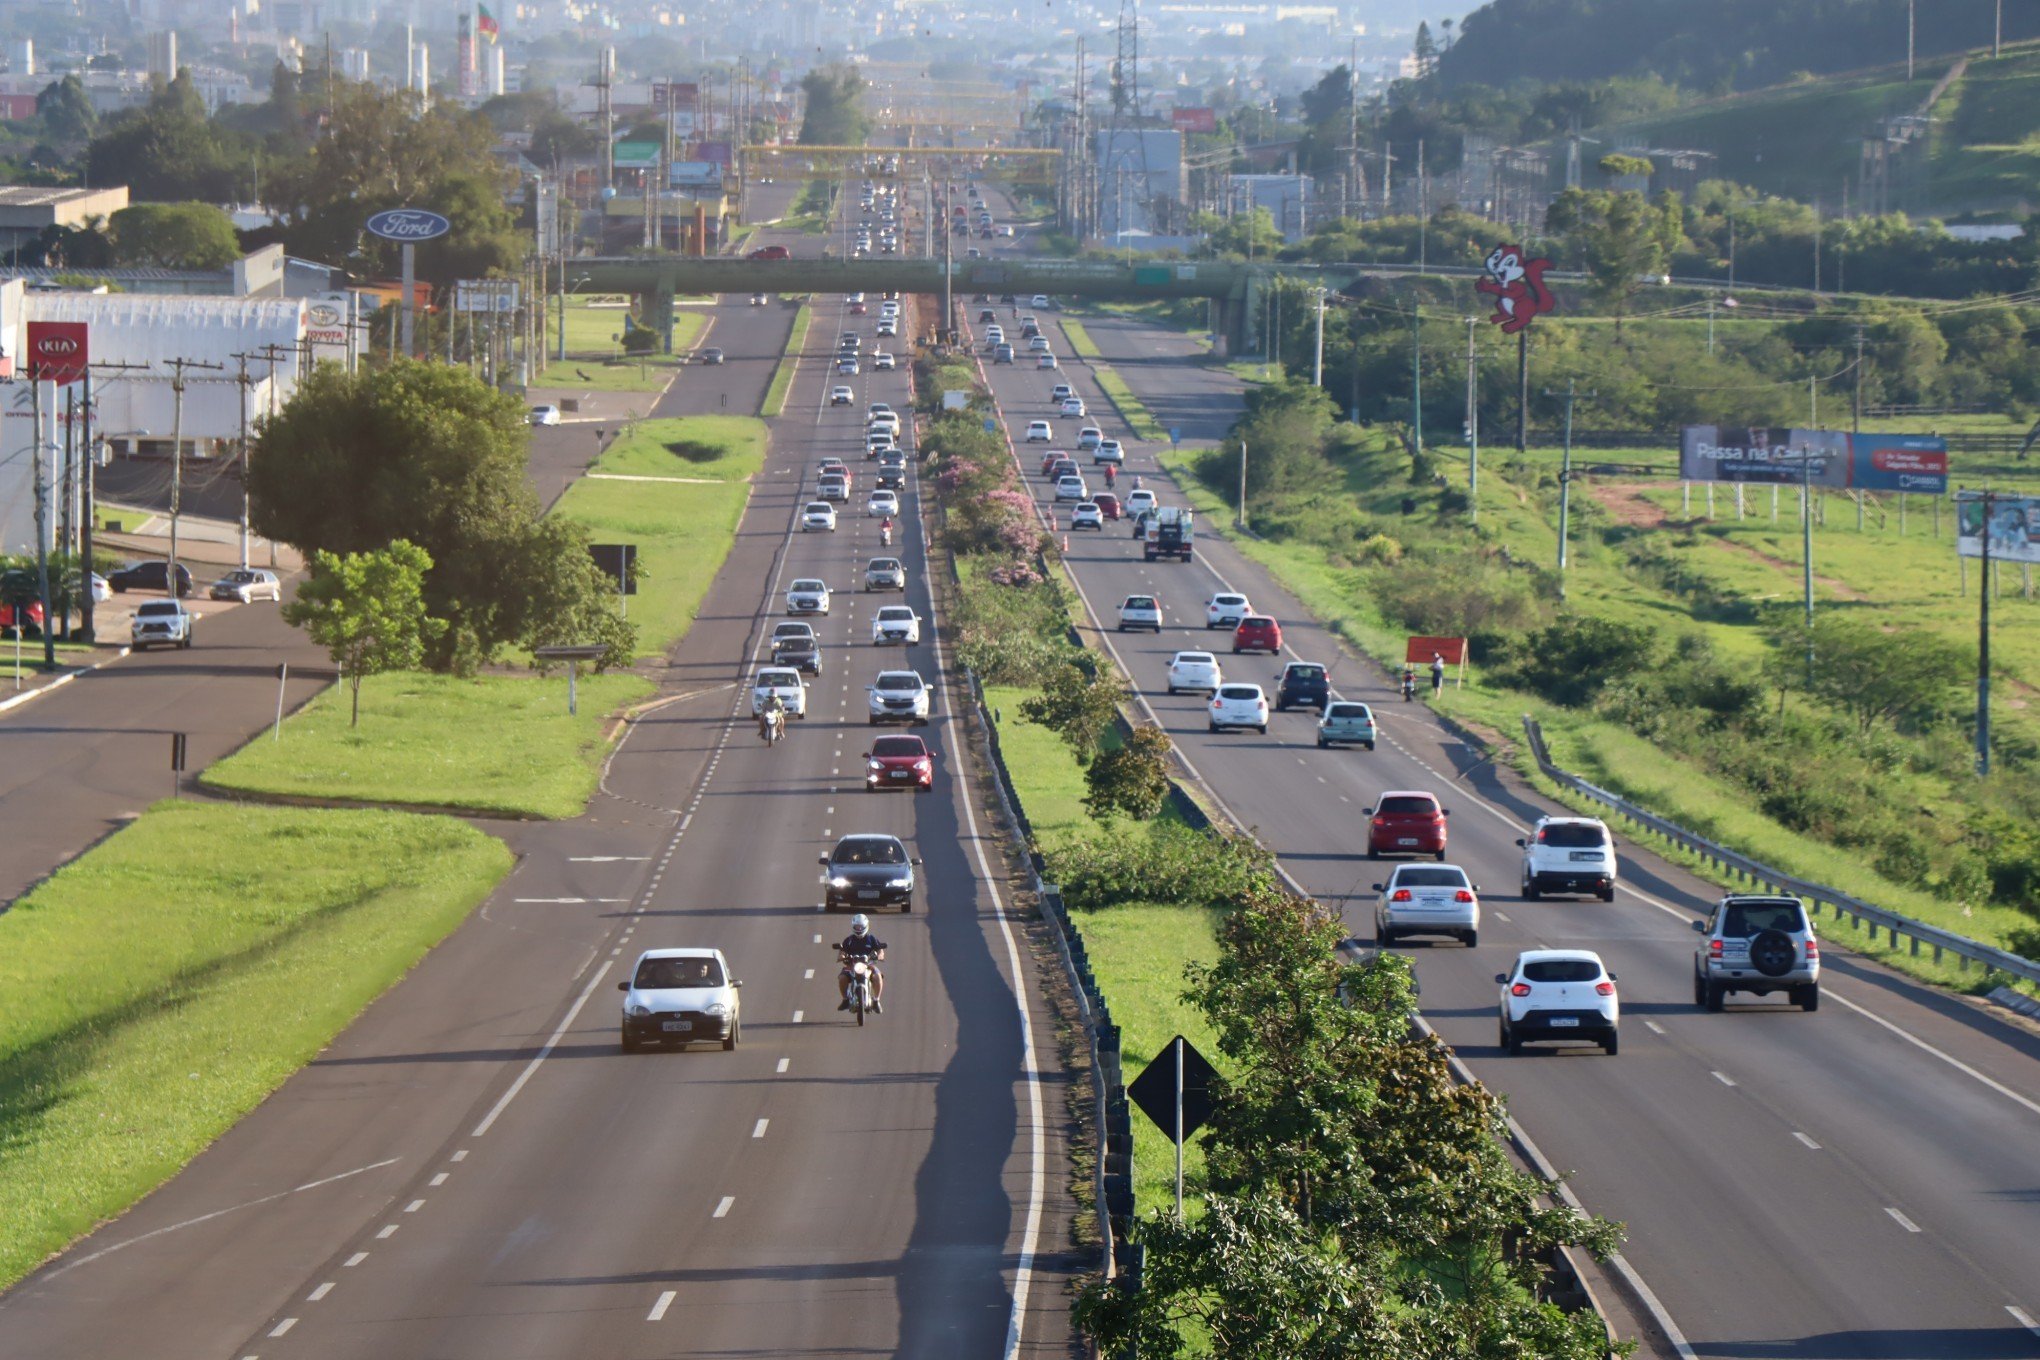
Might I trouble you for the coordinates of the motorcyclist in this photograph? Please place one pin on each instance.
(772, 711)
(1111, 475)
(885, 531)
(860, 943)
(1409, 681)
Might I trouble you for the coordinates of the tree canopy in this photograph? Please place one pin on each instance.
(835, 108)
(367, 610)
(173, 236)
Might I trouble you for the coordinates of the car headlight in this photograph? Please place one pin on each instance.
(637, 1008)
(716, 1008)
(904, 882)
(874, 766)
(839, 882)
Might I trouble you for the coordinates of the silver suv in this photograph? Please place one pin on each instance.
(1757, 944)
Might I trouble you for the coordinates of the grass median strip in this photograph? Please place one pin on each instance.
(782, 377)
(594, 362)
(163, 984)
(1131, 410)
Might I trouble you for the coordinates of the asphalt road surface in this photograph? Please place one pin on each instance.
(474, 1170)
(1858, 1182)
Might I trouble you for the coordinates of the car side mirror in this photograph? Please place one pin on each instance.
(1700, 926)
(1501, 977)
(1377, 887)
(1612, 977)
(915, 860)
(623, 986)
(867, 755)
(1519, 840)
(737, 983)
(1444, 812)
(1367, 812)
(821, 859)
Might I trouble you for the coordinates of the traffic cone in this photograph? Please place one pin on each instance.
(1066, 543)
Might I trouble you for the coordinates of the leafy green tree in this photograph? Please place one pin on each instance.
(1077, 706)
(1871, 675)
(426, 453)
(173, 236)
(168, 150)
(1425, 49)
(835, 108)
(1131, 780)
(1569, 660)
(1252, 232)
(66, 111)
(367, 609)
(1621, 239)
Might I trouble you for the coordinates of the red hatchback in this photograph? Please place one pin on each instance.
(1406, 822)
(1257, 633)
(1108, 505)
(899, 763)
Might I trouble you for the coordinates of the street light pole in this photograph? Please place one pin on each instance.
(1565, 478)
(1472, 424)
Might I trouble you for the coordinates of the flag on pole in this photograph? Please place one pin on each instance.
(485, 23)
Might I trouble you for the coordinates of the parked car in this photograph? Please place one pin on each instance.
(1406, 822)
(1194, 671)
(681, 996)
(1238, 706)
(1346, 724)
(1257, 633)
(1558, 994)
(902, 762)
(1569, 855)
(149, 575)
(1140, 611)
(1427, 899)
(246, 584)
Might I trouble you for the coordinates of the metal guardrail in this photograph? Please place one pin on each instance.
(1729, 863)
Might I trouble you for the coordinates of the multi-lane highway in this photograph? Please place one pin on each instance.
(1852, 1183)
(475, 1170)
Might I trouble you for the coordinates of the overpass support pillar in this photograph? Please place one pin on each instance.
(1218, 319)
(659, 312)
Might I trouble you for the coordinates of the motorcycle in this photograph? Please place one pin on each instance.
(1110, 476)
(1409, 687)
(771, 726)
(885, 535)
(861, 994)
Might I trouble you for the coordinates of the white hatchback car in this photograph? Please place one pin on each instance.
(882, 503)
(1195, 671)
(547, 414)
(1109, 451)
(1073, 406)
(895, 624)
(1089, 438)
(1225, 609)
(1569, 855)
(1038, 432)
(1558, 994)
(681, 996)
(807, 596)
(818, 515)
(1140, 611)
(841, 396)
(1138, 503)
(784, 681)
(1045, 361)
(1071, 489)
(1238, 706)
(883, 361)
(1086, 515)
(1060, 393)
(1427, 899)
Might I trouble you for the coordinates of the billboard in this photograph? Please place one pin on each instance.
(485, 295)
(1193, 120)
(329, 326)
(1712, 453)
(2014, 527)
(58, 351)
(1900, 462)
(679, 96)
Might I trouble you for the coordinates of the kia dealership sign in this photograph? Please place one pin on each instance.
(409, 225)
(57, 351)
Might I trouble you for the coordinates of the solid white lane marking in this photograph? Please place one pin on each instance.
(1804, 1139)
(1901, 1220)
(503, 1102)
(1925, 1047)
(217, 1213)
(356, 1259)
(659, 1308)
(321, 1292)
(784, 1063)
(607, 859)
(389, 1230)
(2024, 1319)
(1654, 1027)
(280, 1328)
(758, 1129)
(722, 1209)
(414, 1206)
(1724, 1078)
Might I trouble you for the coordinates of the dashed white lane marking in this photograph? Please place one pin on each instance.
(2024, 1319)
(659, 1308)
(758, 1129)
(459, 1156)
(1804, 1139)
(414, 1206)
(722, 1209)
(321, 1292)
(280, 1328)
(356, 1259)
(798, 1016)
(1654, 1027)
(809, 974)
(567, 901)
(607, 859)
(389, 1230)
(1500, 917)
(784, 1063)
(1724, 1078)
(818, 939)
(1901, 1220)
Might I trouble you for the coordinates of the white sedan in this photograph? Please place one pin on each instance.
(895, 623)
(784, 681)
(841, 396)
(1195, 671)
(883, 361)
(807, 596)
(1038, 432)
(544, 415)
(818, 515)
(1427, 899)
(1073, 406)
(882, 503)
(1071, 489)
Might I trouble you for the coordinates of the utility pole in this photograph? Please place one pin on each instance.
(1908, 39)
(1997, 30)
(1416, 381)
(177, 384)
(1983, 649)
(1472, 424)
(1317, 364)
(1243, 482)
(1523, 391)
(1565, 478)
(42, 525)
(241, 380)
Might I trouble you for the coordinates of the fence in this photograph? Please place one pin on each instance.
(1730, 864)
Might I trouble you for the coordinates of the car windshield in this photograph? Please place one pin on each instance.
(1748, 918)
(1573, 833)
(910, 683)
(1256, 621)
(159, 608)
(1408, 807)
(1239, 692)
(1193, 658)
(787, 679)
(1348, 711)
(870, 851)
(894, 613)
(793, 630)
(809, 587)
(884, 564)
(819, 508)
(1307, 674)
(1562, 970)
(1445, 877)
(1140, 602)
(898, 746)
(653, 974)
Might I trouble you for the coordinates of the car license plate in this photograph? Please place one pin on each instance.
(902, 774)
(1565, 1022)
(870, 894)
(1578, 855)
(677, 1026)
(1406, 840)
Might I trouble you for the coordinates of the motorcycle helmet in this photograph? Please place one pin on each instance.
(859, 923)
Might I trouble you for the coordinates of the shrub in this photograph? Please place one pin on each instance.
(1170, 864)
(1571, 659)
(1132, 780)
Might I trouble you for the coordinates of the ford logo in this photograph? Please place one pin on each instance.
(57, 344)
(408, 224)
(323, 314)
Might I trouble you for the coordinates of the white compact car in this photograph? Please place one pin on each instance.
(807, 596)
(1569, 855)
(883, 361)
(1060, 393)
(1225, 609)
(818, 515)
(1109, 451)
(784, 681)
(1138, 503)
(1038, 432)
(882, 503)
(1071, 489)
(895, 624)
(1042, 361)
(1087, 515)
(1037, 345)
(841, 396)
(899, 696)
(1089, 438)
(1073, 406)
(878, 409)
(1140, 611)
(1194, 671)
(1558, 994)
(1427, 899)
(681, 996)
(1238, 706)
(847, 365)
(544, 415)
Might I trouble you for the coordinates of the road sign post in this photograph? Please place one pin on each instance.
(1175, 1092)
(573, 654)
(407, 227)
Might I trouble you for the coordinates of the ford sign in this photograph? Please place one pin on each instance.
(408, 225)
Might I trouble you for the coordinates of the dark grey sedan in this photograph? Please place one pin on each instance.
(864, 872)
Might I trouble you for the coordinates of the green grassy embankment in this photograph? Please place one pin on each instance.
(595, 361)
(163, 984)
(782, 376)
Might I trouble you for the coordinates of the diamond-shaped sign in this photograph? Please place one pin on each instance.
(1154, 1090)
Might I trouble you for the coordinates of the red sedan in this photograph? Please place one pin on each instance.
(1257, 633)
(1108, 505)
(899, 763)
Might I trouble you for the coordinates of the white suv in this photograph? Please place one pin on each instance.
(1195, 671)
(1038, 432)
(1427, 899)
(1225, 610)
(1239, 706)
(1569, 855)
(166, 621)
(1140, 611)
(1558, 994)
(895, 623)
(899, 696)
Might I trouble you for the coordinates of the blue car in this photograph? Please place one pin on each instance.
(1345, 723)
